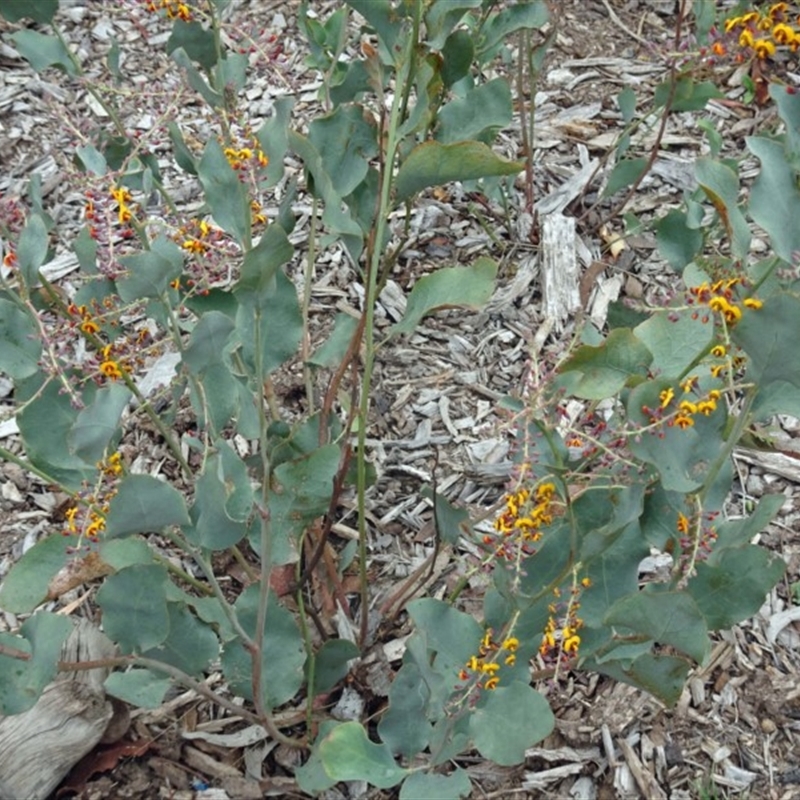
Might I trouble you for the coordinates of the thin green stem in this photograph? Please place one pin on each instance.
(183, 544)
(308, 279)
(7, 455)
(109, 109)
(373, 272)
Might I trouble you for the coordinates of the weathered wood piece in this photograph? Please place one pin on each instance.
(40, 746)
(560, 279)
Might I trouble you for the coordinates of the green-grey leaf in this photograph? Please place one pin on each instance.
(43, 51)
(139, 687)
(98, 422)
(25, 586)
(479, 115)
(22, 347)
(134, 603)
(434, 164)
(225, 194)
(721, 185)
(432, 786)
(674, 343)
(41, 11)
(448, 287)
(774, 197)
(347, 754)
(191, 644)
(508, 721)
(32, 249)
(605, 369)
(667, 617)
(345, 141)
(150, 272)
(144, 504)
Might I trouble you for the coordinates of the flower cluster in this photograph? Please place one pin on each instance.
(697, 536)
(88, 519)
(241, 158)
(211, 252)
(720, 299)
(682, 413)
(115, 358)
(762, 34)
(560, 640)
(196, 235)
(485, 665)
(12, 221)
(122, 197)
(521, 522)
(173, 9)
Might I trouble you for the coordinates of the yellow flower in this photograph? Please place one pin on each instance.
(778, 10)
(491, 683)
(733, 22)
(754, 303)
(683, 422)
(666, 397)
(683, 523)
(511, 644)
(111, 370)
(746, 38)
(731, 313)
(705, 407)
(571, 640)
(122, 196)
(689, 383)
(113, 464)
(764, 48)
(90, 326)
(687, 407)
(545, 491)
(193, 246)
(783, 33)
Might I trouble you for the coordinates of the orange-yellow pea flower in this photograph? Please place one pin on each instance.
(783, 33)
(733, 22)
(764, 48)
(90, 326)
(111, 370)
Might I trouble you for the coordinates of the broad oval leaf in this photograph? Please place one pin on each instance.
(144, 504)
(348, 754)
(434, 164)
(508, 721)
(449, 287)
